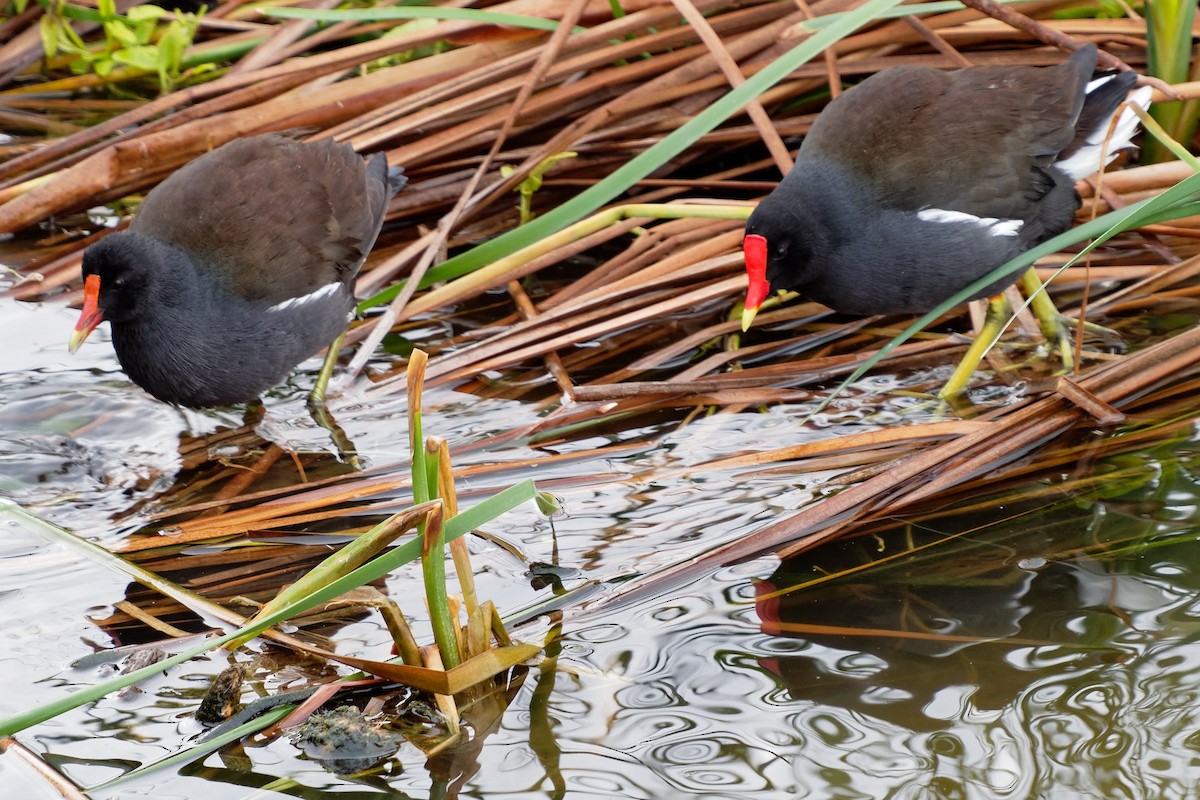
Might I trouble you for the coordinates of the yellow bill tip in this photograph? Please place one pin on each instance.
(748, 315)
(77, 337)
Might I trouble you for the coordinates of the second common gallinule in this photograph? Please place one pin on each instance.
(917, 182)
(237, 267)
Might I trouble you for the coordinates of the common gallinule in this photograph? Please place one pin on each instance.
(917, 182)
(237, 267)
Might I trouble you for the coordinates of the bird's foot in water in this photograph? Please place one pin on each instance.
(1059, 332)
(345, 448)
(320, 411)
(1027, 367)
(1062, 336)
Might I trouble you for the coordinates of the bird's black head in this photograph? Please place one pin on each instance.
(117, 277)
(121, 266)
(776, 251)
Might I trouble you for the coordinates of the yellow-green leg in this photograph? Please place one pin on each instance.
(1058, 328)
(999, 310)
(316, 398)
(320, 412)
(1055, 327)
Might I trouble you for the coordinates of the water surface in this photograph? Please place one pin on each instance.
(1044, 648)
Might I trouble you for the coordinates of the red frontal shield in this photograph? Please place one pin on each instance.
(755, 249)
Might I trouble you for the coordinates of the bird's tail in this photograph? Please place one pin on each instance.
(1094, 146)
(396, 179)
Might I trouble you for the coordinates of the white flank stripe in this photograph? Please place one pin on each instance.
(312, 297)
(993, 225)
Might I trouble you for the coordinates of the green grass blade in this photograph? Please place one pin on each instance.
(433, 571)
(942, 7)
(641, 165)
(345, 560)
(87, 694)
(482, 513)
(474, 517)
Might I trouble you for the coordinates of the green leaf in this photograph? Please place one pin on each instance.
(69, 39)
(65, 11)
(144, 57)
(171, 48)
(143, 31)
(48, 31)
(117, 31)
(142, 13)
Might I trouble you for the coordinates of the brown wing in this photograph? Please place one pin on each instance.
(274, 218)
(1007, 124)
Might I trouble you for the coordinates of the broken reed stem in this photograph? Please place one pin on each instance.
(401, 633)
(445, 702)
(66, 788)
(425, 473)
(414, 381)
(458, 548)
(477, 636)
(455, 608)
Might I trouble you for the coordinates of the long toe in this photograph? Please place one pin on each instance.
(1060, 330)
